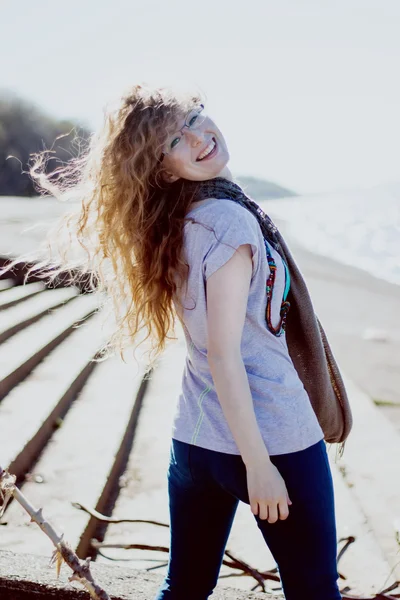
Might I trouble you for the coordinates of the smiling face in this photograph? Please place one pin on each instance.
(186, 149)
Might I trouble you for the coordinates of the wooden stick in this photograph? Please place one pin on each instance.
(80, 571)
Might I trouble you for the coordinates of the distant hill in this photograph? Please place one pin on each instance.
(260, 189)
(25, 130)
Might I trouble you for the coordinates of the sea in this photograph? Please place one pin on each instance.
(360, 228)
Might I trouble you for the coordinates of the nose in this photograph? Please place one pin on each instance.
(195, 136)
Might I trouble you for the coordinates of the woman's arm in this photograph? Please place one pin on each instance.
(232, 386)
(227, 294)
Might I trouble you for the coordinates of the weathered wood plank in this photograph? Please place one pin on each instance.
(31, 411)
(23, 351)
(79, 459)
(144, 492)
(13, 295)
(31, 310)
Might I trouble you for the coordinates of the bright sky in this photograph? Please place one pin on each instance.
(306, 92)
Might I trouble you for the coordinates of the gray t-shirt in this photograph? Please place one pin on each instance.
(282, 407)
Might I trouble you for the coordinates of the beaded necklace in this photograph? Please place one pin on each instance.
(285, 306)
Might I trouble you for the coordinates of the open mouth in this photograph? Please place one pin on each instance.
(211, 151)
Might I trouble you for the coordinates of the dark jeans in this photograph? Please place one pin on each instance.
(204, 490)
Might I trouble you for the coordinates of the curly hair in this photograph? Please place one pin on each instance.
(129, 221)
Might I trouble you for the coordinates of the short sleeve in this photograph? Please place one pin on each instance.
(234, 227)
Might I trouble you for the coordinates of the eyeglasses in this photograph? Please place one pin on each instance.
(193, 120)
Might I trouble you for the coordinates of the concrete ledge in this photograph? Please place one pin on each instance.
(29, 577)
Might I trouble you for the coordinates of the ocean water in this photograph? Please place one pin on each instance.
(360, 228)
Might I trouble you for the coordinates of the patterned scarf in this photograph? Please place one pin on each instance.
(306, 340)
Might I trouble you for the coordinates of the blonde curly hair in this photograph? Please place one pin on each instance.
(129, 221)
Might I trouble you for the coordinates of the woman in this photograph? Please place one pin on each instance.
(244, 428)
(168, 233)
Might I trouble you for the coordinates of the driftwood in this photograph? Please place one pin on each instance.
(80, 571)
(234, 562)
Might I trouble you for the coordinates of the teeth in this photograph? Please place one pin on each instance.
(207, 151)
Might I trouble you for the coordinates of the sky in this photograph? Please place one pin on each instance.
(306, 92)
